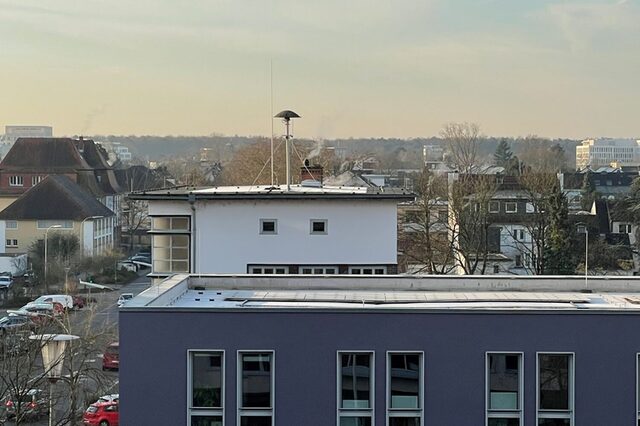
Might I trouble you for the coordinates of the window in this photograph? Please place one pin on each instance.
(518, 261)
(555, 389)
(170, 253)
(496, 269)
(494, 206)
(638, 388)
(268, 226)
(12, 243)
(355, 388)
(367, 270)
(319, 227)
(170, 223)
(16, 181)
(36, 180)
(11, 224)
(206, 388)
(518, 234)
(405, 388)
(64, 224)
(511, 207)
(504, 389)
(255, 388)
(443, 216)
(268, 269)
(319, 270)
(624, 228)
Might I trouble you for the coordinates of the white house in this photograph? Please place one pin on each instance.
(308, 229)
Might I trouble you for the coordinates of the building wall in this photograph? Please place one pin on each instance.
(153, 355)
(228, 237)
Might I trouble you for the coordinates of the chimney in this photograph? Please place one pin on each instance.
(308, 172)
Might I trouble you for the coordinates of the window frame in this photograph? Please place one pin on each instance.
(557, 414)
(255, 412)
(11, 242)
(51, 223)
(262, 267)
(265, 220)
(504, 414)
(16, 180)
(6, 224)
(507, 204)
(372, 267)
(494, 202)
(324, 268)
(356, 412)
(205, 411)
(404, 412)
(325, 222)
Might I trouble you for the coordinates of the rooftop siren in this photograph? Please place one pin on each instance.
(286, 116)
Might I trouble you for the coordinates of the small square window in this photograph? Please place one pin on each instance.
(494, 206)
(318, 226)
(511, 207)
(269, 226)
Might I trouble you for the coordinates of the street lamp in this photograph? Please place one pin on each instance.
(46, 283)
(53, 350)
(584, 229)
(82, 232)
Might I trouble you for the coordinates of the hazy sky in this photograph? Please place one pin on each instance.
(387, 68)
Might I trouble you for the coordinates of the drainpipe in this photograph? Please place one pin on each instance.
(192, 202)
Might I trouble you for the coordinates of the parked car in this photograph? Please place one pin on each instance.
(128, 265)
(111, 357)
(141, 259)
(5, 281)
(65, 300)
(102, 414)
(32, 404)
(124, 298)
(114, 397)
(79, 302)
(15, 323)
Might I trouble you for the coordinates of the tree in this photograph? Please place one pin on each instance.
(462, 140)
(423, 235)
(135, 216)
(503, 155)
(588, 190)
(558, 259)
(62, 250)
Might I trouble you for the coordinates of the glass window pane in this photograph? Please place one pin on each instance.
(355, 380)
(206, 421)
(355, 421)
(161, 222)
(255, 421)
(504, 381)
(554, 382)
(206, 379)
(256, 380)
(180, 223)
(405, 381)
(404, 421)
(554, 422)
(180, 241)
(504, 422)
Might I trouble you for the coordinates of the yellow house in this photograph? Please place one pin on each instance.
(57, 204)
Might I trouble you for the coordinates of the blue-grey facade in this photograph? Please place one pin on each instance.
(154, 345)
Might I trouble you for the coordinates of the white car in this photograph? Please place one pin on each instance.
(124, 298)
(5, 281)
(64, 299)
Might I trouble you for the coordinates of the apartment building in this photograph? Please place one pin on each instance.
(602, 152)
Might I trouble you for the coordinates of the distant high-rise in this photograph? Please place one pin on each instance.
(12, 133)
(604, 151)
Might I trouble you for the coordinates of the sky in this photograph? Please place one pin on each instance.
(355, 68)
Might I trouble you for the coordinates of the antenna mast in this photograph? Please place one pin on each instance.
(272, 169)
(286, 116)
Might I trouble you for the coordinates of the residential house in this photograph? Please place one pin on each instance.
(56, 201)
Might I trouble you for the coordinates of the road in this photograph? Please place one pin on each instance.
(102, 316)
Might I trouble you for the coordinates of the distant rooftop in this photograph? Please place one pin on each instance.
(280, 192)
(402, 293)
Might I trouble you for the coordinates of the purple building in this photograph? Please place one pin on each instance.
(388, 350)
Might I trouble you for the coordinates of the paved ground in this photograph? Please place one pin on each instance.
(106, 315)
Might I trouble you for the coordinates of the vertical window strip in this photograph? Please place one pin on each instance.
(504, 388)
(206, 395)
(356, 388)
(405, 388)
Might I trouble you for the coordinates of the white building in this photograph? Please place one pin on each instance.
(262, 229)
(12, 133)
(602, 152)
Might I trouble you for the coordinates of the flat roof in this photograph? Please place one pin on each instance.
(275, 192)
(396, 293)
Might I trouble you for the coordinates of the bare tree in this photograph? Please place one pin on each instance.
(462, 142)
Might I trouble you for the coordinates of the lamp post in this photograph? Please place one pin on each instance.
(82, 234)
(53, 350)
(586, 253)
(46, 239)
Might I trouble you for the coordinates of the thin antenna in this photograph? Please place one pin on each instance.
(272, 172)
(286, 116)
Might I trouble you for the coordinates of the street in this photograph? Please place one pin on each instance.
(102, 322)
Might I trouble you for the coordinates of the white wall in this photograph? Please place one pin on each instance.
(228, 238)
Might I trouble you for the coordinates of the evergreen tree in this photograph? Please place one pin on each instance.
(588, 192)
(503, 154)
(558, 252)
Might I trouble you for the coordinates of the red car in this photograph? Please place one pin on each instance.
(102, 414)
(111, 357)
